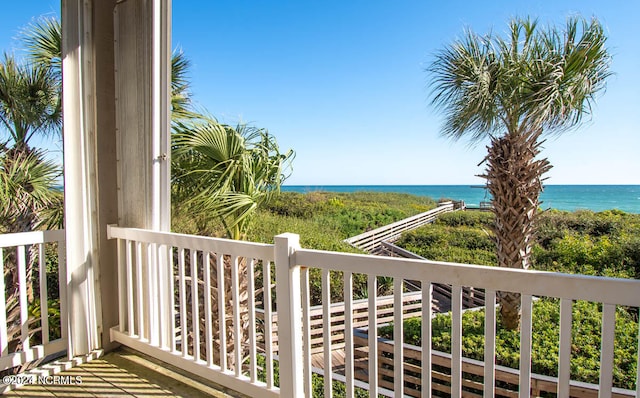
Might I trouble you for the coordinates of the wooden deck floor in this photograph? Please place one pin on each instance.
(126, 373)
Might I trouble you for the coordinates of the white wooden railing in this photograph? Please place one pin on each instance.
(23, 338)
(174, 297)
(171, 285)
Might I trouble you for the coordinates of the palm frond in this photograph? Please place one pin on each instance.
(30, 100)
(28, 195)
(43, 41)
(226, 172)
(539, 78)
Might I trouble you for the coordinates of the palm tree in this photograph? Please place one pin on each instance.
(515, 90)
(28, 201)
(30, 102)
(43, 41)
(28, 198)
(226, 172)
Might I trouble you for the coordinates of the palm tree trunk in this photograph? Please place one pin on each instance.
(514, 179)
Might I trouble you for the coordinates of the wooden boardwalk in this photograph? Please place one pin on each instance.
(124, 373)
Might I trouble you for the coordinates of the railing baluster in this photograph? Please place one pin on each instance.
(171, 300)
(139, 290)
(606, 349)
(62, 286)
(195, 308)
(237, 329)
(122, 302)
(525, 346)
(348, 333)
(184, 332)
(4, 346)
(207, 308)
(306, 332)
(44, 305)
(152, 292)
(24, 314)
(268, 322)
(398, 338)
(564, 351)
(326, 332)
(427, 310)
(373, 336)
(456, 341)
(129, 268)
(490, 344)
(251, 285)
(638, 365)
(222, 323)
(161, 308)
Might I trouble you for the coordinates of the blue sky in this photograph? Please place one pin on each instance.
(343, 83)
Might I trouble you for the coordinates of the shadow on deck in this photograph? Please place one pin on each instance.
(125, 373)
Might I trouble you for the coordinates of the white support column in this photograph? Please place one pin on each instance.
(142, 31)
(161, 116)
(80, 176)
(161, 141)
(289, 301)
(142, 87)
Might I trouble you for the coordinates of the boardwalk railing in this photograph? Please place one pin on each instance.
(28, 331)
(471, 297)
(370, 241)
(412, 302)
(195, 302)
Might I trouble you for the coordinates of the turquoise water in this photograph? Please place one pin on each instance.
(562, 197)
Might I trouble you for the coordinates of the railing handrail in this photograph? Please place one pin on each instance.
(203, 243)
(31, 238)
(605, 290)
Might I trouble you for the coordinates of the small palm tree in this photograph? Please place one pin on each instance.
(228, 173)
(30, 102)
(28, 198)
(515, 90)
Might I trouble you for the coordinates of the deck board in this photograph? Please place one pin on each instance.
(125, 373)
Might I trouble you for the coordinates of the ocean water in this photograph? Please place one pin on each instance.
(561, 197)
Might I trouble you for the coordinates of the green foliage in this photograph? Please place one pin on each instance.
(28, 198)
(585, 345)
(605, 243)
(317, 382)
(322, 219)
(225, 172)
(480, 219)
(348, 214)
(463, 244)
(53, 311)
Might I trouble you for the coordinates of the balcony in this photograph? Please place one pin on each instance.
(239, 314)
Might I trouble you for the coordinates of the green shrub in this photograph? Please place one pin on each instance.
(462, 244)
(467, 218)
(317, 382)
(605, 243)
